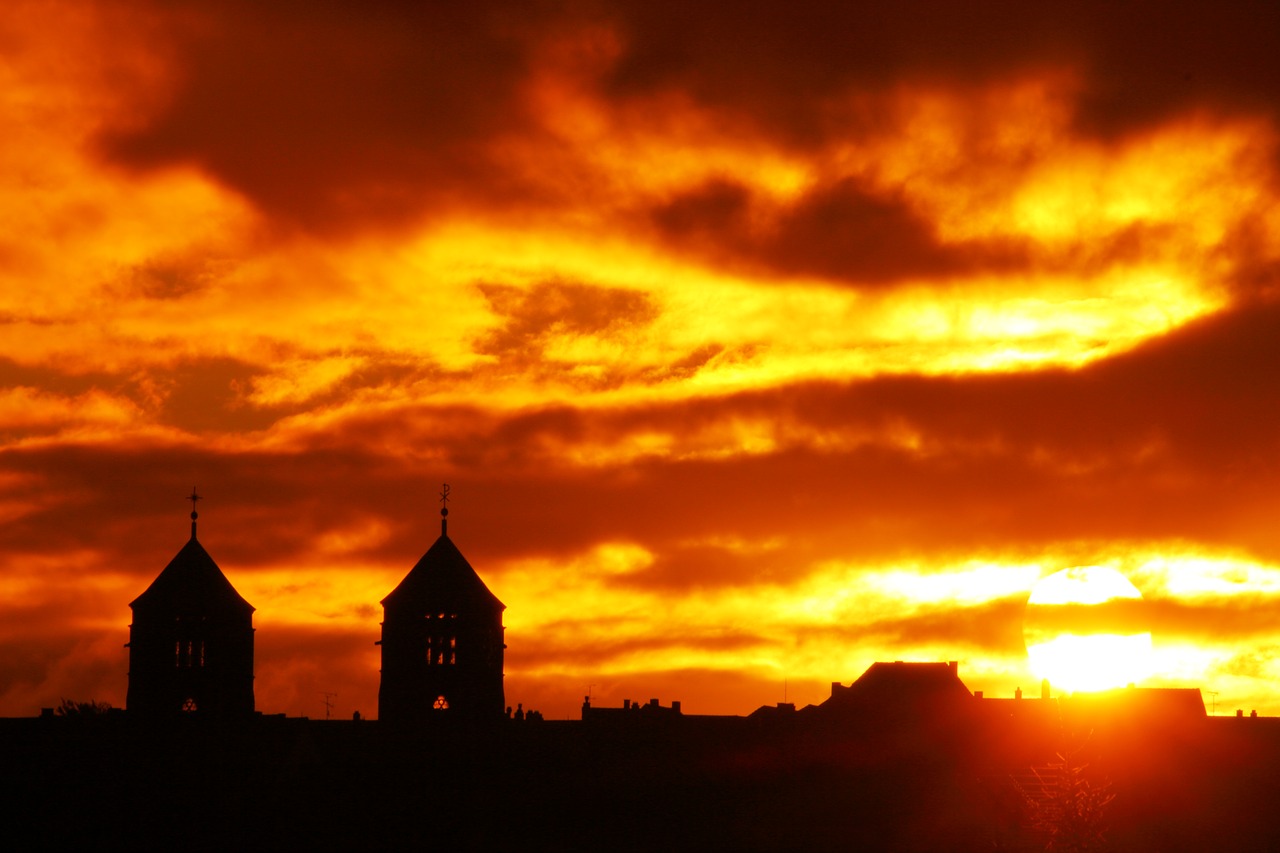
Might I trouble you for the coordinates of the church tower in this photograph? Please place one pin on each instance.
(191, 641)
(442, 640)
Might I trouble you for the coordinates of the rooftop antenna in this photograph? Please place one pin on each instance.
(328, 703)
(444, 510)
(1213, 702)
(193, 497)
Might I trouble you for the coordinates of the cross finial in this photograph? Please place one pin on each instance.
(444, 510)
(193, 497)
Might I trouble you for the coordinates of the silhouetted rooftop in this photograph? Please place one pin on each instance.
(901, 684)
(192, 583)
(442, 579)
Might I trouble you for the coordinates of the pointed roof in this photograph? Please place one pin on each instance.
(192, 583)
(442, 579)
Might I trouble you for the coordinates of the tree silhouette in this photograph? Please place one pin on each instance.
(72, 708)
(1068, 804)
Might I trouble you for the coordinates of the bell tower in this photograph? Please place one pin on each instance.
(442, 640)
(191, 641)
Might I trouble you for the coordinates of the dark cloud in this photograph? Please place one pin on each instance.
(196, 394)
(209, 394)
(1254, 268)
(562, 642)
(783, 69)
(327, 114)
(259, 507)
(779, 68)
(15, 373)
(686, 569)
(173, 277)
(335, 117)
(993, 626)
(842, 231)
(1217, 618)
(1115, 616)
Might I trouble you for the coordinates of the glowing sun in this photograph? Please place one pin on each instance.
(1084, 630)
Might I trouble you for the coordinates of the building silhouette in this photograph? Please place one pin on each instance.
(191, 641)
(442, 641)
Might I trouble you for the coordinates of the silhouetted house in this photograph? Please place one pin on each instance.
(442, 641)
(900, 689)
(191, 642)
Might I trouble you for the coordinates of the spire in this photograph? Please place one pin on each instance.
(444, 510)
(193, 497)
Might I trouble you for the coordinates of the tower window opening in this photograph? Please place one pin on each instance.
(442, 643)
(188, 653)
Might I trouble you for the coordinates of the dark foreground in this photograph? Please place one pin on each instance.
(959, 781)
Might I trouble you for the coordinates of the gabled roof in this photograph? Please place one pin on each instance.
(192, 583)
(443, 580)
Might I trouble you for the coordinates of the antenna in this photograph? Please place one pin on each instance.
(1213, 702)
(328, 703)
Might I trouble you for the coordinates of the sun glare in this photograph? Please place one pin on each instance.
(1083, 630)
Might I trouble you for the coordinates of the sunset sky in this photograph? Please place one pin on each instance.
(757, 343)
